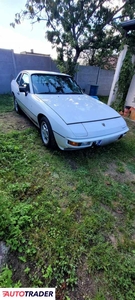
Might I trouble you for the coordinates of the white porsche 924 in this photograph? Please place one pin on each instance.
(67, 117)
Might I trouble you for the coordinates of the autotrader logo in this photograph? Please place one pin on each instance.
(13, 293)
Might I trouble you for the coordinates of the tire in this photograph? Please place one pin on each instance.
(47, 134)
(16, 106)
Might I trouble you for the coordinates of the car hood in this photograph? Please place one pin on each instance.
(78, 108)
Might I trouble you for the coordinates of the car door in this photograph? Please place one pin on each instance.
(16, 88)
(21, 81)
(26, 99)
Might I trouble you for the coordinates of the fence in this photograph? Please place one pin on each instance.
(11, 64)
(89, 75)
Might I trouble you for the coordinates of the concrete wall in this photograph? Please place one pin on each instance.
(11, 64)
(89, 75)
(7, 71)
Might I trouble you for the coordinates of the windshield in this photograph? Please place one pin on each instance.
(54, 84)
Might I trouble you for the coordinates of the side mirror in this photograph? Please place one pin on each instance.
(24, 89)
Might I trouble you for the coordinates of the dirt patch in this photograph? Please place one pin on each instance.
(12, 121)
(88, 285)
(124, 177)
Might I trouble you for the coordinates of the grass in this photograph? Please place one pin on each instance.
(6, 103)
(68, 217)
(104, 99)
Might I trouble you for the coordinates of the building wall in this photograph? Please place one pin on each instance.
(90, 75)
(11, 64)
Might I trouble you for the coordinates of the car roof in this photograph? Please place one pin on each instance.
(43, 72)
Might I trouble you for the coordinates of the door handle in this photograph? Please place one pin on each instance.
(18, 93)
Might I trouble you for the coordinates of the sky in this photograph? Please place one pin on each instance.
(25, 36)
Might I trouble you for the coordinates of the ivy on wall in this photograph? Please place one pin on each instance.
(126, 74)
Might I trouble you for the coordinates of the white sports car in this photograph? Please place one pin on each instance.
(67, 118)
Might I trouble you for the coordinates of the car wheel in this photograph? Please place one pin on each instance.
(47, 133)
(16, 106)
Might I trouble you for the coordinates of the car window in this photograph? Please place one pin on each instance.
(18, 79)
(25, 79)
(54, 84)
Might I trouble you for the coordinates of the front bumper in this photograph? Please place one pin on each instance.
(75, 144)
